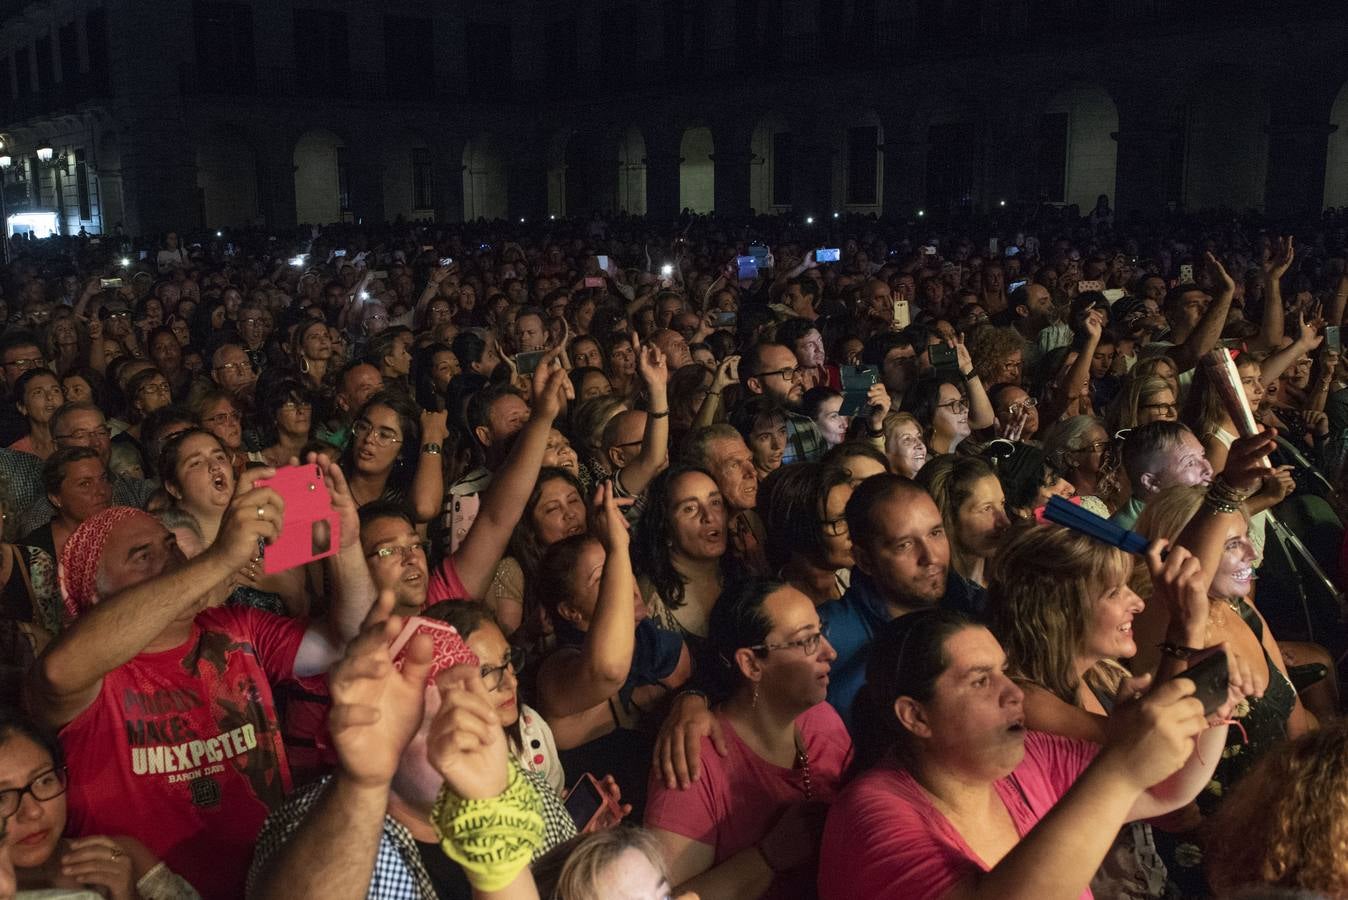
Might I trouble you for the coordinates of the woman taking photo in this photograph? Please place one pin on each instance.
(33, 797)
(956, 798)
(973, 508)
(611, 664)
(37, 396)
(1061, 606)
(808, 544)
(396, 455)
(746, 827)
(679, 542)
(195, 470)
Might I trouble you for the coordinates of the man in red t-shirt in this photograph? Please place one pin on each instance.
(164, 697)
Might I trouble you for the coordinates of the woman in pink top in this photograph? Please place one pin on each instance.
(749, 827)
(957, 800)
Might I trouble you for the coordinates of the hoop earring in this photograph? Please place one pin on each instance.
(304, 364)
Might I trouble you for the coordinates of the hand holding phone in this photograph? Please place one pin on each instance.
(591, 807)
(827, 255)
(311, 529)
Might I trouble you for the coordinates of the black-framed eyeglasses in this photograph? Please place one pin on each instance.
(790, 373)
(955, 406)
(81, 437)
(835, 527)
(403, 550)
(28, 362)
(494, 676)
(46, 786)
(292, 406)
(809, 644)
(1027, 403)
(1169, 409)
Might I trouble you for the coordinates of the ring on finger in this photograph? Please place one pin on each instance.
(261, 512)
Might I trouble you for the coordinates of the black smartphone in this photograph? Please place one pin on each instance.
(527, 363)
(856, 384)
(1211, 680)
(1334, 338)
(942, 357)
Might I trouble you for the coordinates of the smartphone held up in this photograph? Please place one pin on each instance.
(310, 529)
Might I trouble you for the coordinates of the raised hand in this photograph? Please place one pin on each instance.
(651, 365)
(610, 525)
(1217, 272)
(1178, 582)
(1279, 258)
(254, 515)
(1151, 738)
(466, 743)
(727, 373)
(434, 426)
(377, 709)
(339, 492)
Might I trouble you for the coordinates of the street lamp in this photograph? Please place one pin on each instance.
(44, 154)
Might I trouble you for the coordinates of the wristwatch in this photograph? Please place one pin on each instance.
(433, 449)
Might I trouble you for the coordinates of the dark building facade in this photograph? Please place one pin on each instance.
(180, 113)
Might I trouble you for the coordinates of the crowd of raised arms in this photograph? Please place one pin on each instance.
(745, 524)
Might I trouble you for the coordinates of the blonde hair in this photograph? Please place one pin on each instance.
(593, 853)
(1286, 822)
(1122, 412)
(1042, 591)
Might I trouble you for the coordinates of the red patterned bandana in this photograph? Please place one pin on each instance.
(81, 554)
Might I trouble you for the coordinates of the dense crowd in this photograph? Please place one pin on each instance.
(741, 530)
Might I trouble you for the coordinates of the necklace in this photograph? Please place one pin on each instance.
(803, 763)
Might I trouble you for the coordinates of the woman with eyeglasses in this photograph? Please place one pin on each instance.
(287, 410)
(941, 407)
(37, 396)
(808, 545)
(33, 783)
(1017, 412)
(1142, 401)
(218, 412)
(528, 736)
(1080, 448)
(748, 827)
(146, 392)
(396, 454)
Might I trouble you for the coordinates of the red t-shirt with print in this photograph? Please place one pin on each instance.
(182, 751)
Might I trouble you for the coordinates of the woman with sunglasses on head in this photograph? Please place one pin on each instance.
(33, 784)
(396, 454)
(748, 826)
